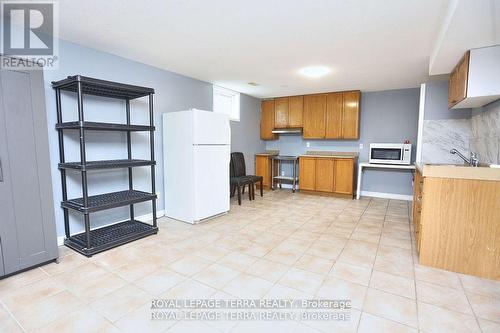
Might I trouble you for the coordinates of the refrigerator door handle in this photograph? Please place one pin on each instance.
(1, 171)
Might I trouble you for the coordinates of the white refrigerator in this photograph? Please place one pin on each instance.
(196, 153)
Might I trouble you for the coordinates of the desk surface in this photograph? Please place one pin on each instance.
(386, 166)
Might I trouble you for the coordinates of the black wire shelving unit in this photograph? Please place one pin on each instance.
(93, 241)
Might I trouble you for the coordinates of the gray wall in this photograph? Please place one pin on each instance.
(436, 103)
(386, 116)
(245, 134)
(173, 92)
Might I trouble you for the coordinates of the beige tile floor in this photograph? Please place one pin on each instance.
(281, 246)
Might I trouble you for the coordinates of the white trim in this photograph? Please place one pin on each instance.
(420, 132)
(387, 195)
(142, 218)
(234, 113)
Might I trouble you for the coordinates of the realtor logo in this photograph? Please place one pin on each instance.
(29, 34)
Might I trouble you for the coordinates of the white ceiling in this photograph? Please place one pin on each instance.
(368, 44)
(467, 24)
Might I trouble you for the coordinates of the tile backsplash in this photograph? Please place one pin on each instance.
(440, 136)
(485, 133)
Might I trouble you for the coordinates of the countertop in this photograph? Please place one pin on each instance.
(458, 171)
(268, 153)
(337, 154)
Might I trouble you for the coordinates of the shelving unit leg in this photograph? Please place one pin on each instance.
(129, 152)
(152, 147)
(84, 162)
(62, 159)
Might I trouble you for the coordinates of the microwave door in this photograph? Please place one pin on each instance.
(387, 154)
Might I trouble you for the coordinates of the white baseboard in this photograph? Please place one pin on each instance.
(387, 195)
(142, 218)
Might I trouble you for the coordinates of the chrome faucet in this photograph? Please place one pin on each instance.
(472, 161)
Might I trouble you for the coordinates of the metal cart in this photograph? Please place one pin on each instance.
(279, 178)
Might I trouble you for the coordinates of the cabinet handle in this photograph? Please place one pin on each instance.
(1, 171)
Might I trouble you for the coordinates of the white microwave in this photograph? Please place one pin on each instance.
(390, 153)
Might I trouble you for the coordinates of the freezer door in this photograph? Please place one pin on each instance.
(211, 191)
(210, 128)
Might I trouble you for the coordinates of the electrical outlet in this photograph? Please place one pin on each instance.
(308, 144)
(282, 173)
(360, 146)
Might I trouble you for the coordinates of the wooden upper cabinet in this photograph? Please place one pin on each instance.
(324, 174)
(267, 120)
(281, 109)
(307, 173)
(350, 115)
(296, 108)
(322, 116)
(334, 111)
(344, 176)
(457, 84)
(314, 116)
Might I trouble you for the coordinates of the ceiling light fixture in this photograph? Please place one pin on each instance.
(314, 71)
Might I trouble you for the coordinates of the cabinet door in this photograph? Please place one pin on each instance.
(307, 173)
(324, 174)
(27, 225)
(350, 116)
(457, 83)
(344, 176)
(296, 104)
(267, 120)
(334, 107)
(452, 88)
(462, 78)
(281, 112)
(314, 116)
(262, 168)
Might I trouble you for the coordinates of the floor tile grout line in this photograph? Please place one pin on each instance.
(470, 304)
(371, 271)
(413, 249)
(12, 316)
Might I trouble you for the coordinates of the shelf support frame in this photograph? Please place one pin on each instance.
(152, 147)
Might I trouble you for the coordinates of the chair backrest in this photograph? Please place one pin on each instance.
(238, 161)
(231, 168)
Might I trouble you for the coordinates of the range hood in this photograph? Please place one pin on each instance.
(291, 130)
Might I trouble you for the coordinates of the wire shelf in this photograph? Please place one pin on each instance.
(108, 237)
(108, 200)
(106, 164)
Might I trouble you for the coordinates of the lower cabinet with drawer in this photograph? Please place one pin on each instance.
(327, 175)
(456, 222)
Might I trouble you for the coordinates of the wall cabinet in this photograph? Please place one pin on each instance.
(281, 108)
(457, 83)
(327, 175)
(322, 116)
(474, 80)
(295, 112)
(267, 120)
(314, 116)
(288, 112)
(332, 116)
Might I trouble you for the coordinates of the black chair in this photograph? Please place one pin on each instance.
(236, 183)
(240, 170)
